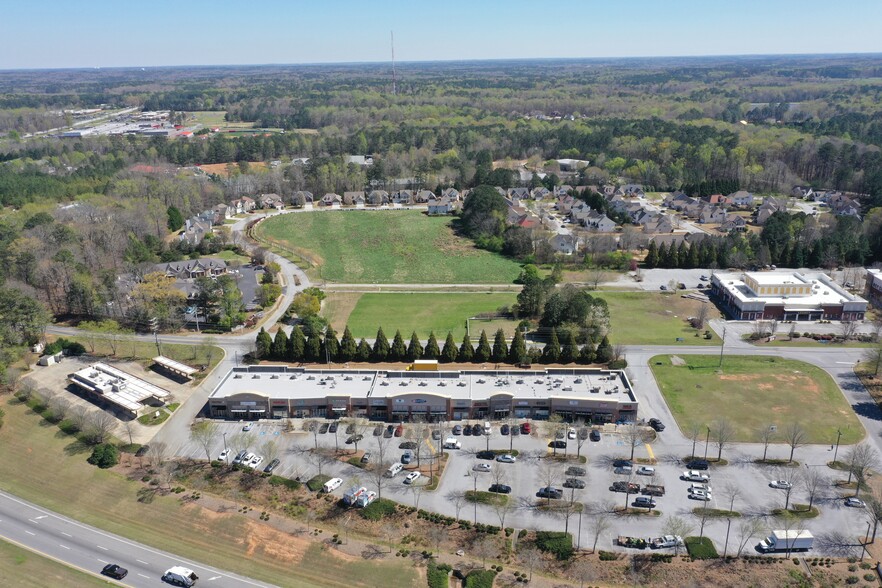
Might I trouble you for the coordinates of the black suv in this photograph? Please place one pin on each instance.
(622, 463)
(485, 455)
(549, 492)
(500, 489)
(115, 571)
(558, 444)
(272, 465)
(698, 464)
(657, 425)
(595, 435)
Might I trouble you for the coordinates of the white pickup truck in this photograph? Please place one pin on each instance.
(666, 541)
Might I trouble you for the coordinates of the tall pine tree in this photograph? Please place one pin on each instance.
(483, 350)
(363, 352)
(280, 346)
(604, 351)
(500, 347)
(431, 351)
(651, 260)
(570, 350)
(296, 345)
(449, 353)
(263, 345)
(518, 351)
(551, 353)
(332, 346)
(313, 351)
(398, 351)
(466, 350)
(348, 346)
(415, 348)
(381, 346)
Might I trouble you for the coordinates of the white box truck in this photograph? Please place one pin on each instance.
(452, 443)
(783, 541)
(332, 485)
(180, 576)
(351, 495)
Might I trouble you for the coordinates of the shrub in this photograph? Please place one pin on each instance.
(479, 579)
(557, 543)
(438, 575)
(869, 577)
(286, 482)
(608, 556)
(104, 456)
(866, 566)
(315, 483)
(618, 364)
(378, 509)
(522, 533)
(852, 580)
(701, 548)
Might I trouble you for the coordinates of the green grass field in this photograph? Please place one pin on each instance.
(754, 392)
(418, 312)
(25, 569)
(650, 318)
(387, 247)
(226, 541)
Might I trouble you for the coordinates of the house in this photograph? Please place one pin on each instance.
(619, 203)
(565, 244)
(562, 190)
(377, 198)
(243, 205)
(350, 197)
(540, 193)
(331, 200)
(659, 224)
(423, 196)
(678, 200)
(519, 193)
(572, 164)
(270, 201)
(712, 215)
(741, 198)
(564, 204)
(197, 268)
(194, 231)
(842, 205)
(221, 213)
(302, 198)
(631, 190)
(718, 200)
(733, 223)
(362, 160)
(443, 206)
(451, 193)
(804, 192)
(300, 161)
(597, 221)
(360, 200)
(402, 197)
(768, 207)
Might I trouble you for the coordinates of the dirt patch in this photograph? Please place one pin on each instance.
(677, 361)
(281, 546)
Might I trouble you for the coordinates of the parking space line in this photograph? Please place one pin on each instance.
(649, 451)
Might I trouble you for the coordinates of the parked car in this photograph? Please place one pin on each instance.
(620, 463)
(595, 435)
(272, 465)
(255, 461)
(855, 502)
(781, 484)
(436, 434)
(378, 430)
(411, 477)
(467, 430)
(571, 433)
(482, 467)
(515, 431)
(574, 483)
(549, 492)
(240, 457)
(354, 438)
(407, 445)
(525, 428)
(644, 502)
(646, 471)
(248, 427)
(389, 430)
(698, 464)
(657, 425)
(621, 486)
(324, 428)
(114, 571)
(399, 430)
(500, 489)
(575, 471)
(406, 457)
(224, 455)
(484, 454)
(366, 457)
(332, 428)
(504, 430)
(694, 476)
(702, 495)
(703, 278)
(457, 429)
(506, 458)
(662, 287)
(558, 444)
(583, 433)
(624, 470)
(477, 430)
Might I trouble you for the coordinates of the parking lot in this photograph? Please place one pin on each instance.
(534, 467)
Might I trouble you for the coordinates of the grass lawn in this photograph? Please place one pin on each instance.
(701, 548)
(229, 255)
(396, 246)
(651, 318)
(25, 569)
(754, 392)
(227, 541)
(417, 311)
(782, 341)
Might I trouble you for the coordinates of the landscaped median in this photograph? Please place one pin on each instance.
(753, 394)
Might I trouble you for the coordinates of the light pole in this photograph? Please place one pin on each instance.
(706, 443)
(475, 498)
(225, 443)
(722, 346)
(864, 542)
(726, 546)
(838, 437)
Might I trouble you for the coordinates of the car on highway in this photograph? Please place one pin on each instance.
(500, 489)
(549, 492)
(694, 476)
(781, 484)
(411, 477)
(272, 465)
(855, 502)
(223, 455)
(482, 467)
(248, 427)
(506, 458)
(504, 430)
(646, 471)
(595, 435)
(574, 483)
(571, 433)
(114, 571)
(255, 461)
(457, 429)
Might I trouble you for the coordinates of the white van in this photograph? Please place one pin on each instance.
(394, 469)
(452, 443)
(332, 485)
(180, 576)
(487, 429)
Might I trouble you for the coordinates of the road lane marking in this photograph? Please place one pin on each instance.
(66, 534)
(29, 533)
(102, 561)
(33, 521)
(143, 576)
(649, 451)
(104, 548)
(142, 561)
(40, 517)
(64, 546)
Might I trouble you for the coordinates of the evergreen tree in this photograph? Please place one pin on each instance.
(264, 344)
(398, 351)
(672, 261)
(682, 255)
(662, 256)
(483, 351)
(431, 351)
(518, 351)
(296, 345)
(586, 355)
(280, 346)
(604, 351)
(570, 350)
(551, 353)
(693, 259)
(415, 348)
(348, 346)
(651, 260)
(448, 354)
(363, 352)
(466, 350)
(332, 346)
(381, 346)
(500, 347)
(313, 350)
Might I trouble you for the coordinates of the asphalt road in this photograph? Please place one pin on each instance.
(90, 549)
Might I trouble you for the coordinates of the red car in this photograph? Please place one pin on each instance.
(399, 431)
(525, 428)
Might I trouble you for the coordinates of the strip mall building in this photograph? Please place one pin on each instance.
(256, 392)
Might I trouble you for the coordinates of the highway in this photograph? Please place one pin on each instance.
(89, 549)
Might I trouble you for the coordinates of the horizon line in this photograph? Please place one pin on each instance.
(445, 61)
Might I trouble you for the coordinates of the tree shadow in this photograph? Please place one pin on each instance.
(77, 447)
(868, 410)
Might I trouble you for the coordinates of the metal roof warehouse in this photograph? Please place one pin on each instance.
(279, 392)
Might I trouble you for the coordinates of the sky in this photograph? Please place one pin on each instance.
(111, 33)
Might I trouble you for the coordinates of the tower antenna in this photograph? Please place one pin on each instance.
(392, 36)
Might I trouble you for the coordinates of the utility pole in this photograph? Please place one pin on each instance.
(838, 437)
(726, 546)
(722, 346)
(706, 443)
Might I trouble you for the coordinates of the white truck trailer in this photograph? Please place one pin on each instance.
(786, 541)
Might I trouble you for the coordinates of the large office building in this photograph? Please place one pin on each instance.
(785, 295)
(255, 392)
(124, 391)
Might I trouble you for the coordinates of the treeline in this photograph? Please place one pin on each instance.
(324, 347)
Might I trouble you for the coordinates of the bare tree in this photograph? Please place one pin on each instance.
(677, 526)
(861, 461)
(634, 436)
(129, 428)
(417, 491)
(596, 277)
(723, 433)
(582, 571)
(502, 508)
(320, 460)
(580, 440)
(848, 329)
(731, 492)
(241, 441)
(158, 453)
(531, 557)
(792, 478)
(437, 535)
(60, 408)
(167, 473)
(458, 499)
(747, 530)
(389, 532)
(549, 473)
(702, 515)
(204, 434)
(766, 435)
(269, 449)
(418, 435)
(618, 352)
(874, 510)
(813, 480)
(552, 428)
(312, 425)
(873, 356)
(795, 436)
(701, 319)
(380, 464)
(600, 523)
(99, 425)
(695, 432)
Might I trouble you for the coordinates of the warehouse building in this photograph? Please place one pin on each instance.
(785, 295)
(126, 392)
(256, 392)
